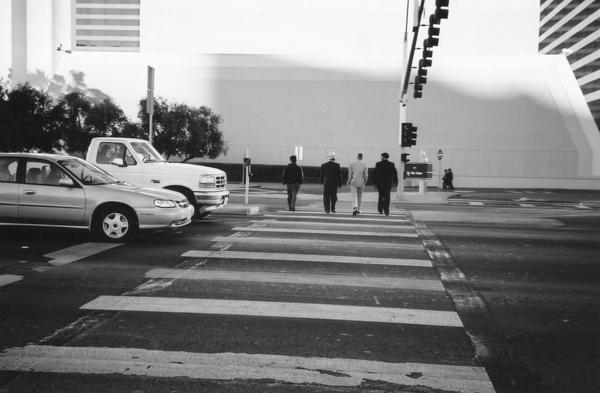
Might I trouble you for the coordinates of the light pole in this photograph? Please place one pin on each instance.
(440, 155)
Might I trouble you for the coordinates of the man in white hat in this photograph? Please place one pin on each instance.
(331, 177)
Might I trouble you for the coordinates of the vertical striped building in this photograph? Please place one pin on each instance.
(572, 27)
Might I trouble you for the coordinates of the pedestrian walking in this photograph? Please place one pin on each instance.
(292, 177)
(450, 179)
(386, 177)
(331, 177)
(445, 180)
(357, 179)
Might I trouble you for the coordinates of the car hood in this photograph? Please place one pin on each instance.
(159, 193)
(189, 169)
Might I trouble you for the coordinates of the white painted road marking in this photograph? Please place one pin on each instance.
(274, 256)
(316, 242)
(295, 278)
(241, 366)
(302, 213)
(275, 309)
(335, 224)
(526, 205)
(472, 203)
(323, 232)
(342, 218)
(6, 279)
(75, 253)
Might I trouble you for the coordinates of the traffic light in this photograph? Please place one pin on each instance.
(424, 63)
(441, 12)
(405, 157)
(409, 134)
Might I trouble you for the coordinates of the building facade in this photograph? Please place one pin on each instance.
(325, 75)
(573, 29)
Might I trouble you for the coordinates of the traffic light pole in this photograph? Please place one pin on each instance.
(405, 82)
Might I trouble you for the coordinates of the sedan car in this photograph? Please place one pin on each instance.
(63, 191)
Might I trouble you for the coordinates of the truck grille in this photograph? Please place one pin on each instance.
(220, 181)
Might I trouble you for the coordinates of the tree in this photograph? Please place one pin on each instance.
(29, 120)
(85, 119)
(181, 130)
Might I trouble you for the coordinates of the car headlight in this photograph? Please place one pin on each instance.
(207, 180)
(164, 203)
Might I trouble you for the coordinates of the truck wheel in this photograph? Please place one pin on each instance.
(114, 224)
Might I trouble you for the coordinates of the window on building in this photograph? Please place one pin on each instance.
(106, 25)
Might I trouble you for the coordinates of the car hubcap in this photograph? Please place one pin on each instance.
(115, 225)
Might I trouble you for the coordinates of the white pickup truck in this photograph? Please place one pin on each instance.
(136, 161)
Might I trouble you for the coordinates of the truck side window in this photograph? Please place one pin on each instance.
(108, 151)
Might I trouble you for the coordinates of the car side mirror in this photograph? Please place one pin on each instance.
(118, 162)
(66, 182)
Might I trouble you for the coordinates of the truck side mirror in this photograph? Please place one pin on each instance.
(118, 162)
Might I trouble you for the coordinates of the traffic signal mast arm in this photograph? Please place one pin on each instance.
(412, 52)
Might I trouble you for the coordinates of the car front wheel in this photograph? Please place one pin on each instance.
(114, 225)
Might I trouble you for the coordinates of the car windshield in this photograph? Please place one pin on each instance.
(146, 152)
(87, 173)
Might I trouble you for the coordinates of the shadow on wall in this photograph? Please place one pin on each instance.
(58, 85)
(270, 106)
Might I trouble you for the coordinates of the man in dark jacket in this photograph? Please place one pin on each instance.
(386, 177)
(331, 177)
(292, 178)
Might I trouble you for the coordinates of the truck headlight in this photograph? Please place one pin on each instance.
(164, 203)
(207, 180)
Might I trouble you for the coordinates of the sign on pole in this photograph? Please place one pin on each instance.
(150, 101)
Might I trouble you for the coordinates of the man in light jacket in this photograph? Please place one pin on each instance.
(357, 179)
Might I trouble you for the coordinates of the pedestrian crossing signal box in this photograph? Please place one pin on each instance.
(418, 170)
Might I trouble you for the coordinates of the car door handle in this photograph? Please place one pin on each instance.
(29, 192)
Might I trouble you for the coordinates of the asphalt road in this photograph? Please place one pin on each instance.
(435, 298)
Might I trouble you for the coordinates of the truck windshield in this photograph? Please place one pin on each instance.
(87, 173)
(146, 152)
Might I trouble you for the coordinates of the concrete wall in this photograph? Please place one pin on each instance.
(503, 115)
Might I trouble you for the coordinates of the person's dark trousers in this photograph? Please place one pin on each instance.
(292, 191)
(383, 203)
(329, 198)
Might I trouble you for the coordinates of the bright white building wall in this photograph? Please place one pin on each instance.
(326, 75)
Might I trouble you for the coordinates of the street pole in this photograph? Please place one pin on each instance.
(150, 101)
(440, 154)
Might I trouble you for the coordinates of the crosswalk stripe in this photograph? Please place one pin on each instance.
(296, 278)
(334, 224)
(526, 205)
(323, 232)
(359, 218)
(242, 366)
(77, 252)
(474, 203)
(275, 309)
(315, 242)
(6, 279)
(339, 212)
(274, 256)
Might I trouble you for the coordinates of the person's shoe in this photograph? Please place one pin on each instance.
(293, 209)
(387, 213)
(355, 212)
(327, 211)
(380, 211)
(333, 209)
